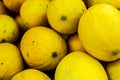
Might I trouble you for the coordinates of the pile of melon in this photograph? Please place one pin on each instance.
(59, 40)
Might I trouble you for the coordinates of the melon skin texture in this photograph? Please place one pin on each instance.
(99, 31)
(79, 66)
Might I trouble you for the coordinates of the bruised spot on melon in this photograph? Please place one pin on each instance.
(54, 54)
(3, 40)
(14, 33)
(63, 18)
(27, 54)
(1, 63)
(4, 31)
(33, 41)
(39, 4)
(115, 52)
(118, 8)
(82, 9)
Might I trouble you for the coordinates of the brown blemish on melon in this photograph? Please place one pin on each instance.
(115, 52)
(13, 33)
(33, 41)
(82, 10)
(3, 40)
(27, 54)
(63, 18)
(39, 4)
(54, 54)
(1, 63)
(4, 31)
